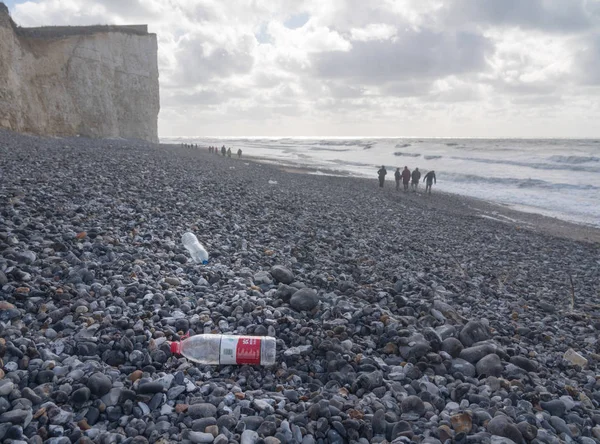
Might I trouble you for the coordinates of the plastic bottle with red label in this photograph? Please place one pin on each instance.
(211, 349)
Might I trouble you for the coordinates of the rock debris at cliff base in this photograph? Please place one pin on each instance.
(429, 326)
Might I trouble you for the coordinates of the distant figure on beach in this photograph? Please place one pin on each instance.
(405, 178)
(429, 179)
(381, 173)
(223, 151)
(229, 152)
(239, 153)
(416, 176)
(397, 176)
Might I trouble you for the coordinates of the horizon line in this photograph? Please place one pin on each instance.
(385, 137)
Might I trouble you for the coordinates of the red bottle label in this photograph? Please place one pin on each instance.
(248, 351)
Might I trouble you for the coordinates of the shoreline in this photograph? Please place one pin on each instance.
(484, 209)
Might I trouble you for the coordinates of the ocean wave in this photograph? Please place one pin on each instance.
(402, 145)
(337, 150)
(534, 165)
(519, 183)
(574, 159)
(400, 153)
(342, 142)
(357, 164)
(431, 157)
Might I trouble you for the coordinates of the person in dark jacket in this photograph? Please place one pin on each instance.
(416, 176)
(239, 153)
(429, 179)
(405, 178)
(223, 151)
(381, 173)
(397, 176)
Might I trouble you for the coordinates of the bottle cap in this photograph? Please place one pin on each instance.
(176, 348)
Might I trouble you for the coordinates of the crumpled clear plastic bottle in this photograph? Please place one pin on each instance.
(195, 248)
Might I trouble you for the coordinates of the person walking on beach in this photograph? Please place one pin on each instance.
(416, 176)
(223, 151)
(397, 176)
(405, 178)
(229, 152)
(239, 153)
(429, 179)
(381, 173)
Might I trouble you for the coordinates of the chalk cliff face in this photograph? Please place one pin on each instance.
(99, 81)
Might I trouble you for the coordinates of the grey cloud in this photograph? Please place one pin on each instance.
(341, 90)
(425, 54)
(128, 8)
(407, 88)
(537, 100)
(268, 80)
(266, 111)
(547, 15)
(587, 60)
(195, 66)
(464, 93)
(200, 11)
(358, 13)
(526, 88)
(195, 98)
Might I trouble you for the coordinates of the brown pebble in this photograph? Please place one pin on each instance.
(180, 408)
(390, 349)
(444, 433)
(39, 413)
(461, 423)
(355, 414)
(212, 429)
(83, 425)
(135, 375)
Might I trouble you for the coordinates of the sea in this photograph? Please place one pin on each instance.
(554, 177)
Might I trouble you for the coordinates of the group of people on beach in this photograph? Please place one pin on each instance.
(406, 176)
(189, 145)
(224, 151)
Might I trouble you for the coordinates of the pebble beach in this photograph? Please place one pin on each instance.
(398, 317)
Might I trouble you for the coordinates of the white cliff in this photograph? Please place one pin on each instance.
(97, 81)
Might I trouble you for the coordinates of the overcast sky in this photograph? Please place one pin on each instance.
(472, 68)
